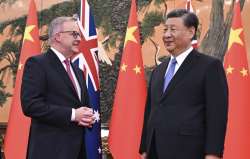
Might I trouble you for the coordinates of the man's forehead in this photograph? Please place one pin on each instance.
(71, 25)
(174, 21)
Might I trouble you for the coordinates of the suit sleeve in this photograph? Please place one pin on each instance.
(146, 116)
(33, 97)
(216, 90)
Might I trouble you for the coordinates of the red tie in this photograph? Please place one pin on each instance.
(67, 62)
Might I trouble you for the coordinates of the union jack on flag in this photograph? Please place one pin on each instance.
(88, 63)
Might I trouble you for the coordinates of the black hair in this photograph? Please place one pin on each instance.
(189, 18)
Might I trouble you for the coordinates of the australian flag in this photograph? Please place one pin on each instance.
(88, 63)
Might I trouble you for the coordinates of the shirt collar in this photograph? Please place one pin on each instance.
(58, 54)
(180, 58)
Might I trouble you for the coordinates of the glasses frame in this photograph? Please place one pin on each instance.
(74, 34)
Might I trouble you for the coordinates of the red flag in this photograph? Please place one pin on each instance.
(16, 139)
(130, 98)
(237, 142)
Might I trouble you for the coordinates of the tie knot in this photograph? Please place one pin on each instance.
(67, 62)
(173, 61)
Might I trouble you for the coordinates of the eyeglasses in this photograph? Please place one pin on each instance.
(75, 34)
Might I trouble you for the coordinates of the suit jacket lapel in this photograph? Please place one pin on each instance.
(54, 60)
(80, 79)
(180, 74)
(162, 72)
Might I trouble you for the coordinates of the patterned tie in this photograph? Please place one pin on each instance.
(67, 62)
(170, 73)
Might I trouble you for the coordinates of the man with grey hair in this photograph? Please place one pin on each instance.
(54, 95)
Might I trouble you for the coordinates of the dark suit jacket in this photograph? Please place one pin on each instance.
(48, 96)
(189, 119)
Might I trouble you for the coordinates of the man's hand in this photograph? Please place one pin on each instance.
(84, 116)
(144, 155)
(212, 157)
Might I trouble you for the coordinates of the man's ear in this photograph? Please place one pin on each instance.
(57, 37)
(191, 32)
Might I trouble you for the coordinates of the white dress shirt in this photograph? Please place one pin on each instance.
(180, 58)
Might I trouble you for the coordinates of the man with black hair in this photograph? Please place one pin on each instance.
(187, 103)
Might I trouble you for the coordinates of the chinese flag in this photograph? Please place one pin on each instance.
(16, 139)
(237, 142)
(130, 96)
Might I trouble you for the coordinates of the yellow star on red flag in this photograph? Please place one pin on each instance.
(137, 69)
(244, 72)
(124, 67)
(235, 37)
(27, 33)
(129, 35)
(229, 69)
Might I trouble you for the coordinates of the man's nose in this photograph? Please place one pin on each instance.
(166, 37)
(79, 37)
(167, 33)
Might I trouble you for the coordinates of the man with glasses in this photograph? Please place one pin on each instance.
(55, 96)
(186, 111)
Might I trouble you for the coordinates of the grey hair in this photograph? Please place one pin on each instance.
(56, 24)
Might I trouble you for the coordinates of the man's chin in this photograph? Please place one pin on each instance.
(76, 51)
(170, 49)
